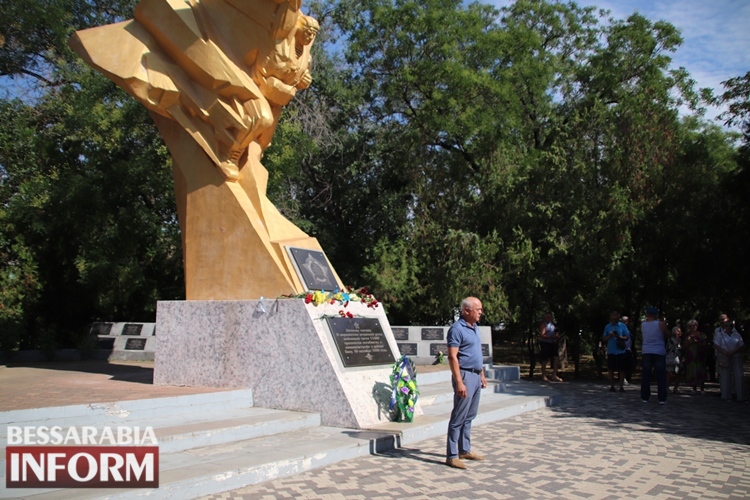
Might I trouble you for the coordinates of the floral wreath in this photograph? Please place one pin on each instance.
(405, 391)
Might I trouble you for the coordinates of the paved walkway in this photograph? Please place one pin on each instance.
(41, 385)
(597, 445)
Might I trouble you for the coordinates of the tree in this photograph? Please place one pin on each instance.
(88, 216)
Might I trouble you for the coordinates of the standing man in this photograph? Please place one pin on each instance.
(465, 360)
(615, 336)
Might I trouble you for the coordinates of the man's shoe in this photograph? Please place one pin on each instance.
(471, 456)
(455, 463)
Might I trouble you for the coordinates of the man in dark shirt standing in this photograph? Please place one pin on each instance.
(466, 363)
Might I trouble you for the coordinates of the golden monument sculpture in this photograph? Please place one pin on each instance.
(214, 75)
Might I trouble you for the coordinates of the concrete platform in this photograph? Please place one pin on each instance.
(215, 442)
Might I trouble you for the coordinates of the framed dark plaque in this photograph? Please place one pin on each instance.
(133, 329)
(485, 349)
(101, 328)
(360, 341)
(436, 348)
(313, 269)
(407, 348)
(400, 334)
(432, 334)
(135, 344)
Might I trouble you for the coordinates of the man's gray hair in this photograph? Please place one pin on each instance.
(467, 303)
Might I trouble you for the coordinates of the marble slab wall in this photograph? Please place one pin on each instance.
(281, 349)
(422, 343)
(127, 341)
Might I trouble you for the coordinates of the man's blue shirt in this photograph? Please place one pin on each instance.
(466, 338)
(612, 343)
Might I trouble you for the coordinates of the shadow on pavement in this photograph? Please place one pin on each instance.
(697, 416)
(136, 372)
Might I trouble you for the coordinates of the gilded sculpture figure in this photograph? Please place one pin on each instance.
(214, 75)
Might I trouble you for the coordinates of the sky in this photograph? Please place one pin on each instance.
(716, 34)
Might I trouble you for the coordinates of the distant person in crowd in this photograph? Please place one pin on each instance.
(653, 355)
(708, 334)
(674, 357)
(729, 345)
(615, 335)
(549, 347)
(629, 359)
(694, 351)
(466, 364)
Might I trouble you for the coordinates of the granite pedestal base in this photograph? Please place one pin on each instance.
(281, 349)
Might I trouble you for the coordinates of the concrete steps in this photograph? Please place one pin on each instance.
(218, 443)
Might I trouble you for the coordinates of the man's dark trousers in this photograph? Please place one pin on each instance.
(464, 411)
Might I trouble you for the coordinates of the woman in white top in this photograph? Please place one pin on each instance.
(653, 355)
(728, 344)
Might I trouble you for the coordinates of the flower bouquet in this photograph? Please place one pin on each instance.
(405, 391)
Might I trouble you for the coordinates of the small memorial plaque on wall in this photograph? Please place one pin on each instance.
(135, 344)
(313, 269)
(407, 348)
(432, 334)
(436, 348)
(360, 341)
(485, 349)
(101, 328)
(400, 333)
(133, 329)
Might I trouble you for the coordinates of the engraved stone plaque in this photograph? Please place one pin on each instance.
(407, 348)
(435, 348)
(432, 334)
(485, 349)
(313, 269)
(133, 329)
(400, 333)
(101, 328)
(360, 341)
(135, 344)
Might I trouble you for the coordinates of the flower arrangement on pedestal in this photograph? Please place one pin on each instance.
(405, 391)
(342, 296)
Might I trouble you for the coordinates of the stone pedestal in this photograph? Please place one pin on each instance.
(281, 349)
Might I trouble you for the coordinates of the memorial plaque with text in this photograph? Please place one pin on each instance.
(485, 349)
(436, 348)
(133, 329)
(407, 348)
(360, 341)
(400, 333)
(432, 334)
(101, 328)
(135, 344)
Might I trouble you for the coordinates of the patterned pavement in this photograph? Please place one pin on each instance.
(596, 445)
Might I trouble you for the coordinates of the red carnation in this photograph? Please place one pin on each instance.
(308, 298)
